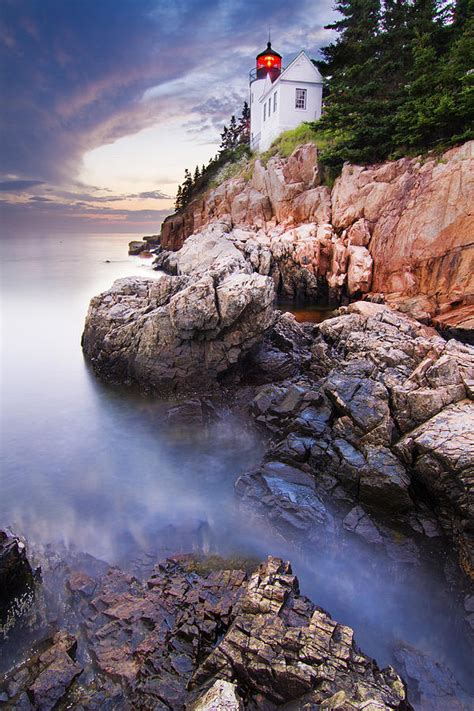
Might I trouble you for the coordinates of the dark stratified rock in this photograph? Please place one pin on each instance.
(46, 678)
(438, 689)
(285, 497)
(16, 578)
(204, 639)
(280, 648)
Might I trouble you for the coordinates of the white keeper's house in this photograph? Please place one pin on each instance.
(281, 99)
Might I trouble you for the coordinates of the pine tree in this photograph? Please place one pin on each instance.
(352, 104)
(223, 143)
(244, 125)
(233, 132)
(187, 188)
(438, 105)
(196, 175)
(179, 199)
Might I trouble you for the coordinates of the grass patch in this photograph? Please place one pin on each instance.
(306, 132)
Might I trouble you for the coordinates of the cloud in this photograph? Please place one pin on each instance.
(79, 75)
(18, 185)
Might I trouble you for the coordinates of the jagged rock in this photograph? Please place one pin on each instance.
(441, 454)
(45, 679)
(16, 578)
(420, 221)
(379, 409)
(283, 648)
(222, 696)
(402, 229)
(210, 250)
(284, 497)
(171, 333)
(190, 640)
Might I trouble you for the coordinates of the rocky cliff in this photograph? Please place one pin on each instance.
(401, 231)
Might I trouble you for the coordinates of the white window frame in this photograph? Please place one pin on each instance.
(275, 101)
(301, 99)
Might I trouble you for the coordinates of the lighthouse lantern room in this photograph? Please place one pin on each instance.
(281, 99)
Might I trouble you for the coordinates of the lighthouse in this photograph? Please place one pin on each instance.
(281, 99)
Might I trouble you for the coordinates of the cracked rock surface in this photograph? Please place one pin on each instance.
(224, 639)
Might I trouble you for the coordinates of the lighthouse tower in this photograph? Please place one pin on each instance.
(268, 65)
(282, 99)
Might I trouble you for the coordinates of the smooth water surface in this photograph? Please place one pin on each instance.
(98, 468)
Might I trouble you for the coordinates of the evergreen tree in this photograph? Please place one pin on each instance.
(438, 105)
(244, 124)
(179, 199)
(196, 175)
(224, 140)
(353, 101)
(187, 188)
(233, 133)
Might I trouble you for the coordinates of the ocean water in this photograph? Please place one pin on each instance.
(98, 468)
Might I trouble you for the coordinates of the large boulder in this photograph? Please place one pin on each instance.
(441, 454)
(176, 333)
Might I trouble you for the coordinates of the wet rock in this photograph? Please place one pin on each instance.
(16, 578)
(57, 672)
(384, 482)
(136, 247)
(438, 689)
(197, 636)
(45, 679)
(357, 521)
(81, 583)
(283, 496)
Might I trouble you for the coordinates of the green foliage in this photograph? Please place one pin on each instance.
(286, 142)
(398, 78)
(224, 165)
(234, 148)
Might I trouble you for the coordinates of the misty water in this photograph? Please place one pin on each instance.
(98, 468)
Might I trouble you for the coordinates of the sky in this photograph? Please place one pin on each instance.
(104, 103)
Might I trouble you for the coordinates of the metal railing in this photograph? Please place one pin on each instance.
(253, 74)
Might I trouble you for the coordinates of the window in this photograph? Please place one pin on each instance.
(269, 106)
(300, 99)
(274, 102)
(265, 111)
(251, 97)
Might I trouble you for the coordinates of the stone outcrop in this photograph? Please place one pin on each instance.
(219, 640)
(16, 580)
(375, 409)
(179, 332)
(402, 231)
